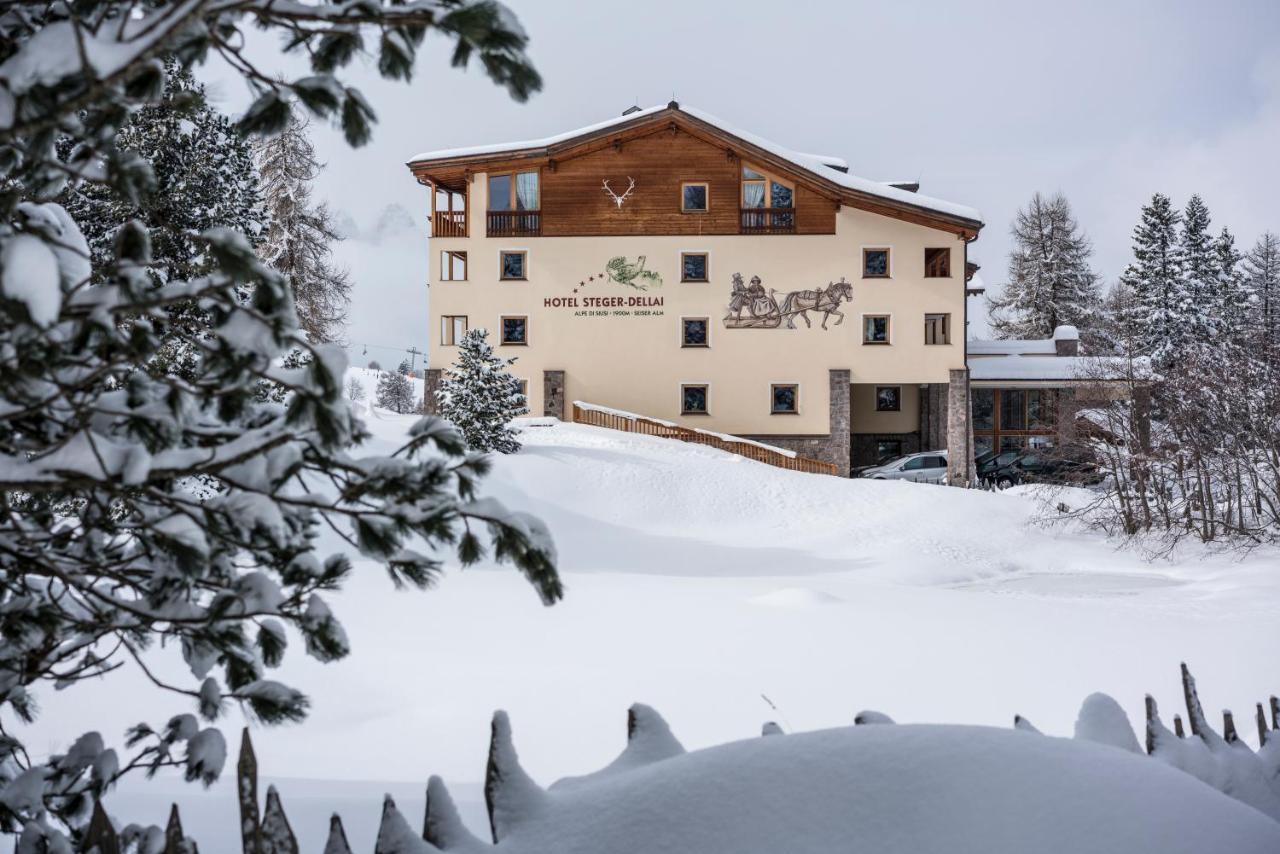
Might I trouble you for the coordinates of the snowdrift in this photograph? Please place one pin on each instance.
(891, 789)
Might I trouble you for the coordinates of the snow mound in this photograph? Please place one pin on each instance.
(889, 789)
(795, 597)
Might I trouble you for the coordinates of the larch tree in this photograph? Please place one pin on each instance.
(1155, 279)
(301, 233)
(107, 558)
(1260, 271)
(480, 397)
(1050, 281)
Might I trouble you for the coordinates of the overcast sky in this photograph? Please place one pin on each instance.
(982, 102)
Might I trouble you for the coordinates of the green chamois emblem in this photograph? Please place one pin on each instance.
(632, 275)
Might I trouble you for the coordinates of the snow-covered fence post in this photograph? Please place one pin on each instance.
(247, 788)
(101, 838)
(275, 836)
(174, 840)
(337, 842)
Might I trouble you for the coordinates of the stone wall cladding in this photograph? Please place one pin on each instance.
(832, 447)
(430, 386)
(933, 417)
(959, 436)
(553, 394)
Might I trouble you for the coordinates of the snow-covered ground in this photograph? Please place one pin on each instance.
(702, 583)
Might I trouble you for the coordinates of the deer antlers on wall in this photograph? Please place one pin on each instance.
(618, 200)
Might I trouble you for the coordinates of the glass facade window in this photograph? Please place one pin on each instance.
(875, 263)
(786, 399)
(984, 408)
(1013, 409)
(693, 332)
(515, 330)
(693, 267)
(693, 400)
(888, 398)
(875, 329)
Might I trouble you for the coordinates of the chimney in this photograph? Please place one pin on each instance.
(1066, 341)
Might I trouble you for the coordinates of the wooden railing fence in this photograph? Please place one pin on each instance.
(272, 834)
(650, 427)
(449, 224)
(767, 220)
(513, 223)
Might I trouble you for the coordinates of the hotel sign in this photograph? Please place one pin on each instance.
(618, 271)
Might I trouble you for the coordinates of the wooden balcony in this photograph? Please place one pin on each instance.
(767, 221)
(449, 224)
(514, 223)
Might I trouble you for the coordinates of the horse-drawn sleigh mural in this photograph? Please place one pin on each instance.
(752, 307)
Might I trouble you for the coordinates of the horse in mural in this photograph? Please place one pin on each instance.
(826, 300)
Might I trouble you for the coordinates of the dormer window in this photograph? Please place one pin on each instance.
(768, 203)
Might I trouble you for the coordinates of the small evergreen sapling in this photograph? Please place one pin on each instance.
(480, 397)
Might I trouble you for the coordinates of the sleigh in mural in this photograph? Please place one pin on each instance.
(752, 307)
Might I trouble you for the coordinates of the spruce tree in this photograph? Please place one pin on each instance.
(1155, 278)
(1050, 281)
(300, 235)
(1199, 307)
(1232, 297)
(395, 391)
(478, 395)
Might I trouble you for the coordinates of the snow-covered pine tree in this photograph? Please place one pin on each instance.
(107, 559)
(1155, 278)
(1199, 310)
(395, 390)
(478, 395)
(301, 233)
(1050, 280)
(1232, 296)
(1261, 273)
(202, 176)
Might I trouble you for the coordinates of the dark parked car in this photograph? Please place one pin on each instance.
(1038, 467)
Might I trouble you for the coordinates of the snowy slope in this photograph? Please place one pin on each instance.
(699, 581)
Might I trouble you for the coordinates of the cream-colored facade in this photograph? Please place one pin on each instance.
(630, 357)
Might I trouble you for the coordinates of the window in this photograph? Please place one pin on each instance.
(693, 400)
(875, 263)
(753, 184)
(984, 407)
(1013, 412)
(875, 329)
(512, 266)
(888, 449)
(937, 263)
(888, 398)
(693, 197)
(452, 328)
(453, 266)
(785, 399)
(937, 329)
(515, 330)
(517, 192)
(693, 332)
(693, 267)
(524, 389)
(916, 463)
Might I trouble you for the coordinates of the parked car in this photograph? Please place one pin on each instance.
(925, 467)
(989, 462)
(1036, 467)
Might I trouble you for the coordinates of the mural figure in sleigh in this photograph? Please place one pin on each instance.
(764, 312)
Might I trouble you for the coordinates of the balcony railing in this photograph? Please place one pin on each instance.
(768, 221)
(449, 224)
(514, 223)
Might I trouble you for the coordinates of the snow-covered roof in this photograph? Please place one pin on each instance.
(1050, 368)
(819, 165)
(1012, 346)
